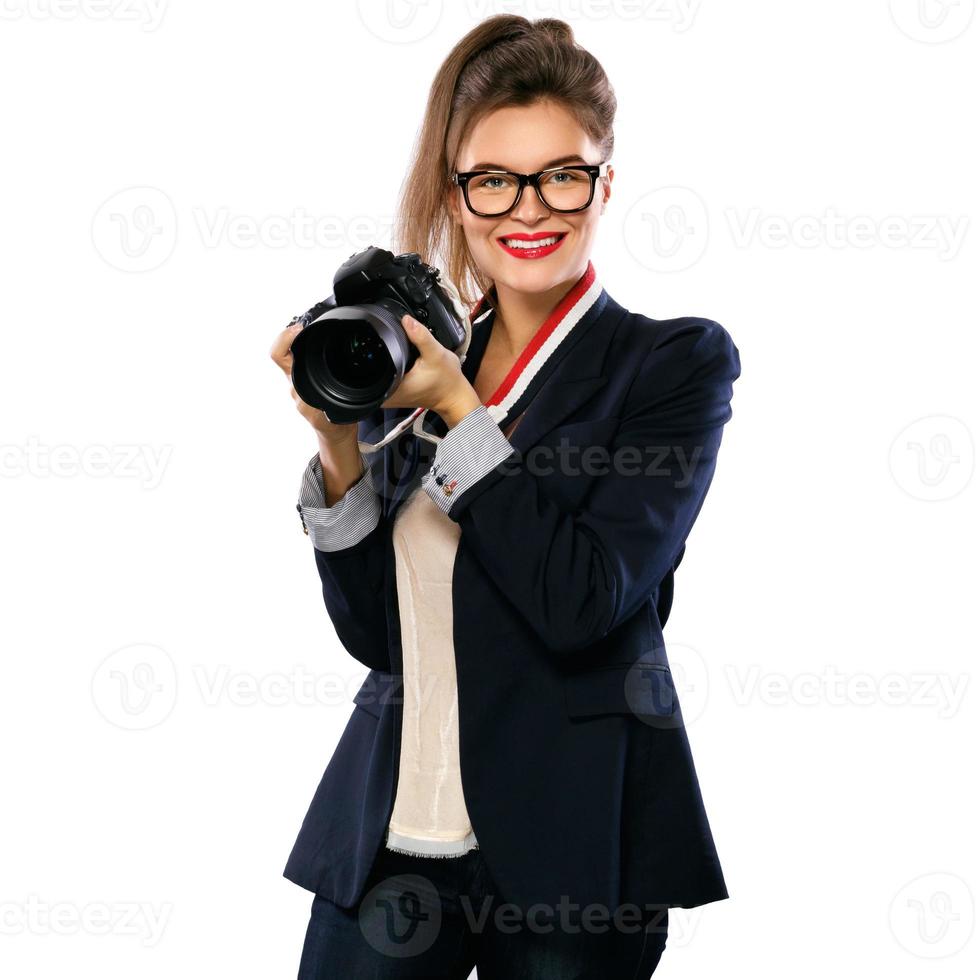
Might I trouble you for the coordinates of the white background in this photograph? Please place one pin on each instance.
(824, 621)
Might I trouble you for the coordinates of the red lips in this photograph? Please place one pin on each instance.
(531, 252)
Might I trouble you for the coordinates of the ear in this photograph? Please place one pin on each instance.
(452, 201)
(607, 188)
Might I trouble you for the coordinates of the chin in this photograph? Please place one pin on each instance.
(530, 276)
(539, 278)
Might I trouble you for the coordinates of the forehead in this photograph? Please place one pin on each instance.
(525, 139)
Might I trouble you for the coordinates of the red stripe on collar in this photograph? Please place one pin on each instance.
(551, 323)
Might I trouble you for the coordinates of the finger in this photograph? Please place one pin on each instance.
(419, 335)
(280, 350)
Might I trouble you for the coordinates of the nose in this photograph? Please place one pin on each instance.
(529, 207)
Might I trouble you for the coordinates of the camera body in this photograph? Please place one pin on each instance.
(353, 351)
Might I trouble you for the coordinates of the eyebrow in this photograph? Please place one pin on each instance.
(571, 158)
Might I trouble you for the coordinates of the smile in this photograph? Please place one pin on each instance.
(536, 246)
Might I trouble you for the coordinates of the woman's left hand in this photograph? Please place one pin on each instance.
(435, 380)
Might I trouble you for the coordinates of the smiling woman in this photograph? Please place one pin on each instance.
(537, 109)
(517, 748)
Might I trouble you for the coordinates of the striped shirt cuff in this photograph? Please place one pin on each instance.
(466, 453)
(350, 519)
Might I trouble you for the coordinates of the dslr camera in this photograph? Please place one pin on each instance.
(353, 351)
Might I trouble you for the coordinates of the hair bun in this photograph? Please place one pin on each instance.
(558, 29)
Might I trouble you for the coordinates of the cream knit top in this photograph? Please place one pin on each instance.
(429, 816)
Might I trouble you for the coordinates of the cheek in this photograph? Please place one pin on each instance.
(477, 234)
(585, 229)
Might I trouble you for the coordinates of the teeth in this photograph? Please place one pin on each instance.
(540, 243)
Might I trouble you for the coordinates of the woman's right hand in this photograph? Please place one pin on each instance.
(333, 433)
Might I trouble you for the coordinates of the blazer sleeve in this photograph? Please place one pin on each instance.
(349, 550)
(576, 576)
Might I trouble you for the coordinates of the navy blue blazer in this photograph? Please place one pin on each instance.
(576, 769)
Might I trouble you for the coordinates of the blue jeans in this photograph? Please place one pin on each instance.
(438, 917)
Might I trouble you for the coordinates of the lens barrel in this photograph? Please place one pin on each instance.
(348, 360)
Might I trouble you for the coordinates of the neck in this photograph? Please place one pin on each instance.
(519, 315)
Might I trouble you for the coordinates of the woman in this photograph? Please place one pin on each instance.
(514, 790)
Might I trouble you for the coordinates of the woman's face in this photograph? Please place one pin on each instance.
(526, 139)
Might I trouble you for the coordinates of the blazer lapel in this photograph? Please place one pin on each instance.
(576, 377)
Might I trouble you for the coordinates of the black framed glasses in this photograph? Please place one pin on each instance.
(492, 193)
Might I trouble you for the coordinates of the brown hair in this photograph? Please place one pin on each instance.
(505, 60)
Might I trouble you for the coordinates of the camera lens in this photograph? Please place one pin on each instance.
(347, 361)
(355, 355)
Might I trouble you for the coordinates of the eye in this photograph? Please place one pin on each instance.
(563, 177)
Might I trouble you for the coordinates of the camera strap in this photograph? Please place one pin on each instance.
(416, 419)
